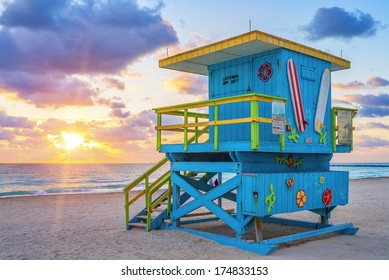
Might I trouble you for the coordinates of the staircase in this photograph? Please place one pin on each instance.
(157, 210)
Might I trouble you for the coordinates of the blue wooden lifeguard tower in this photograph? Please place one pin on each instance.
(267, 134)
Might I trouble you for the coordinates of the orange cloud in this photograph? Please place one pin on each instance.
(188, 84)
(349, 86)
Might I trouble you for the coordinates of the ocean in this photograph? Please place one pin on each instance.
(46, 179)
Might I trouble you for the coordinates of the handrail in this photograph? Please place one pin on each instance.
(219, 101)
(182, 110)
(155, 186)
(147, 173)
(149, 190)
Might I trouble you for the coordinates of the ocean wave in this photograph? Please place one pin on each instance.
(108, 181)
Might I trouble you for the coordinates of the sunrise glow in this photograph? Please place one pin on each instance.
(72, 140)
(90, 97)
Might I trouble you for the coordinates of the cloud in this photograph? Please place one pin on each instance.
(119, 113)
(44, 43)
(116, 105)
(6, 134)
(372, 82)
(370, 105)
(373, 142)
(56, 127)
(134, 128)
(336, 22)
(49, 90)
(113, 83)
(349, 86)
(15, 122)
(377, 82)
(377, 125)
(188, 84)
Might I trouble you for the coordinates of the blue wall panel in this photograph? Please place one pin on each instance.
(235, 77)
(312, 183)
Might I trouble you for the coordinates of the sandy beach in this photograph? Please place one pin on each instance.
(84, 227)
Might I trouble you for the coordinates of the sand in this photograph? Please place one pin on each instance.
(92, 227)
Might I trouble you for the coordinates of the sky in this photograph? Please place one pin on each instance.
(79, 78)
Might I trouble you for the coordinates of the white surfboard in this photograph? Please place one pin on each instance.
(322, 100)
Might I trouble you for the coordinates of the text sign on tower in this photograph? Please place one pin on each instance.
(278, 117)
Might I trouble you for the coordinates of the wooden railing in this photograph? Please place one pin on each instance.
(193, 127)
(151, 189)
(142, 178)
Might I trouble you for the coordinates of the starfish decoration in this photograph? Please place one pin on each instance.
(323, 136)
(294, 136)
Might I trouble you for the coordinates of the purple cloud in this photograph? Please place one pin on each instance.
(136, 127)
(374, 142)
(6, 134)
(371, 105)
(338, 23)
(377, 82)
(377, 125)
(113, 83)
(49, 90)
(116, 105)
(51, 41)
(15, 122)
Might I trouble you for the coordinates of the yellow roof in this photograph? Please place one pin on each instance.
(197, 60)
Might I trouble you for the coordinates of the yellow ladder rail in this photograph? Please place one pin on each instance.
(152, 188)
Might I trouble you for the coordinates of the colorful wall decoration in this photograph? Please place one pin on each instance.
(265, 72)
(327, 197)
(301, 198)
(270, 199)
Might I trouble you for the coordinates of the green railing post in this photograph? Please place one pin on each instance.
(148, 203)
(185, 129)
(127, 208)
(159, 131)
(282, 141)
(254, 125)
(196, 129)
(216, 128)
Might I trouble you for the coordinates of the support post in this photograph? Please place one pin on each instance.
(159, 132)
(196, 129)
(258, 230)
(148, 203)
(216, 129)
(176, 204)
(126, 208)
(169, 199)
(254, 125)
(185, 129)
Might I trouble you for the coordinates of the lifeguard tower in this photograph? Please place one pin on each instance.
(267, 133)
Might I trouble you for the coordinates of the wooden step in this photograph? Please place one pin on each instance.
(143, 225)
(144, 217)
(159, 209)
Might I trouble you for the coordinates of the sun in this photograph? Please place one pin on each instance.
(72, 140)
